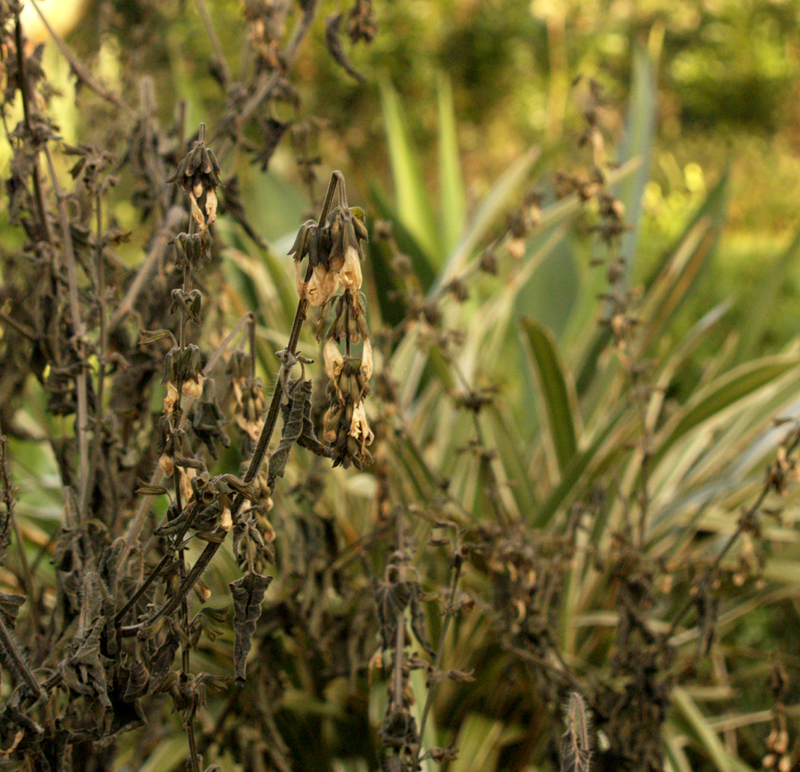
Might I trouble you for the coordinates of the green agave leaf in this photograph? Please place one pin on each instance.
(506, 440)
(639, 136)
(703, 733)
(762, 305)
(406, 240)
(672, 279)
(491, 207)
(480, 740)
(571, 476)
(413, 204)
(451, 184)
(720, 394)
(556, 392)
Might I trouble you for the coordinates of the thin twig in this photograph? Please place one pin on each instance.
(259, 453)
(78, 67)
(448, 616)
(745, 523)
(175, 217)
(15, 662)
(82, 408)
(214, 38)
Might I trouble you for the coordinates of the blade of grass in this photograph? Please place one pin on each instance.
(556, 393)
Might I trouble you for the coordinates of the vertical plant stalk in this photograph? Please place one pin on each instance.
(10, 522)
(214, 38)
(26, 116)
(175, 217)
(449, 613)
(260, 451)
(77, 66)
(14, 662)
(82, 410)
(141, 512)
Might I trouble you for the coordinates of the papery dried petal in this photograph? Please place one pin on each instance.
(366, 359)
(334, 361)
(350, 272)
(171, 398)
(192, 387)
(359, 427)
(322, 286)
(211, 206)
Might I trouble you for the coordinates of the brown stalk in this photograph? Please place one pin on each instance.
(82, 409)
(259, 453)
(78, 67)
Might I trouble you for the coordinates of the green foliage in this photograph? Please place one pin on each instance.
(551, 506)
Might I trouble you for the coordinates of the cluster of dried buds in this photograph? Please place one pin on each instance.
(335, 254)
(183, 370)
(347, 431)
(198, 175)
(247, 394)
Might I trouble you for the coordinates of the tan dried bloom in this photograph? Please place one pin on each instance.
(334, 361)
(186, 475)
(167, 464)
(171, 398)
(321, 287)
(366, 359)
(359, 427)
(193, 387)
(350, 272)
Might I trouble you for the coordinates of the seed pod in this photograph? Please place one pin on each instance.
(353, 332)
(362, 324)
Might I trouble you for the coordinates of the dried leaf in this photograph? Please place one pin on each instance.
(9, 606)
(162, 660)
(336, 49)
(299, 395)
(247, 592)
(392, 599)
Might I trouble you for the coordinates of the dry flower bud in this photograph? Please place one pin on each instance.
(334, 361)
(350, 273)
(225, 519)
(171, 398)
(167, 464)
(321, 287)
(359, 428)
(366, 359)
(193, 387)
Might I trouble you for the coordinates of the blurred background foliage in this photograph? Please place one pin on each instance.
(436, 140)
(726, 72)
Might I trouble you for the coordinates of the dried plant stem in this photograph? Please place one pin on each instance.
(11, 520)
(214, 38)
(259, 453)
(449, 612)
(303, 25)
(26, 116)
(78, 67)
(141, 512)
(745, 523)
(175, 217)
(82, 409)
(14, 662)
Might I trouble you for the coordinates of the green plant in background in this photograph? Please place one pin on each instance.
(550, 510)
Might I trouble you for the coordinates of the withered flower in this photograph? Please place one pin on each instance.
(198, 175)
(334, 252)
